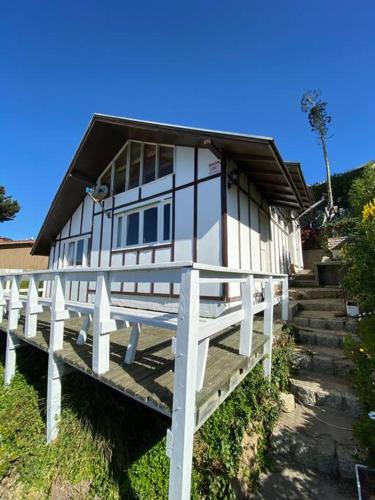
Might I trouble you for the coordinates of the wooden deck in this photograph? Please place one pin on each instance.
(149, 379)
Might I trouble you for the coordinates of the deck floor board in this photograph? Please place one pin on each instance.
(150, 378)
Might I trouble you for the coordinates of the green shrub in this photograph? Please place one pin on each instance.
(362, 352)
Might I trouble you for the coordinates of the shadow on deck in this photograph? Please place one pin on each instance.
(149, 380)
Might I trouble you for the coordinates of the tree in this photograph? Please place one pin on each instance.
(319, 121)
(8, 206)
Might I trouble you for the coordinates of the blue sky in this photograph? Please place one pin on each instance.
(239, 66)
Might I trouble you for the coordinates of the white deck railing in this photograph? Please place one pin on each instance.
(190, 346)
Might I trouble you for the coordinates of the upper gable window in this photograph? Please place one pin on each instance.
(138, 163)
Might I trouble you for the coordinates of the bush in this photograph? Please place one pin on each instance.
(362, 352)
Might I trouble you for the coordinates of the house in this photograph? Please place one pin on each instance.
(183, 228)
(15, 254)
(174, 193)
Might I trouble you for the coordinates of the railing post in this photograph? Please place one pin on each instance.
(31, 315)
(246, 332)
(12, 341)
(285, 300)
(55, 366)
(58, 315)
(268, 327)
(180, 438)
(102, 325)
(2, 300)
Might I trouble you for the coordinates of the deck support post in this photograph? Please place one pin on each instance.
(180, 438)
(58, 315)
(31, 318)
(246, 331)
(12, 341)
(82, 336)
(102, 325)
(133, 344)
(10, 357)
(55, 373)
(268, 327)
(285, 300)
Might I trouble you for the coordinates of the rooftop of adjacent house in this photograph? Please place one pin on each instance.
(9, 243)
(105, 135)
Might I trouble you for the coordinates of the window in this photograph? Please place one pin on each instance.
(167, 222)
(135, 164)
(150, 225)
(120, 171)
(149, 163)
(79, 254)
(71, 248)
(165, 160)
(132, 229)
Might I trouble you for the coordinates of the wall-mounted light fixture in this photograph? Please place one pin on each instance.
(233, 178)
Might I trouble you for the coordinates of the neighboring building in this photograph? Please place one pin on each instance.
(174, 194)
(15, 254)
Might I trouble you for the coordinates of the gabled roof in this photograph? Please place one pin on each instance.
(299, 181)
(105, 135)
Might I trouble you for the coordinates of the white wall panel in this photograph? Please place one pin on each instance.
(145, 257)
(208, 229)
(130, 260)
(184, 210)
(233, 237)
(65, 230)
(162, 255)
(116, 262)
(76, 221)
(126, 197)
(244, 231)
(205, 157)
(106, 241)
(184, 165)
(255, 236)
(95, 241)
(87, 214)
(157, 186)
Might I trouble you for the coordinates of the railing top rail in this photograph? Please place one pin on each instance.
(205, 269)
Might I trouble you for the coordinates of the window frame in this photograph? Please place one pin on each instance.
(159, 204)
(63, 262)
(127, 144)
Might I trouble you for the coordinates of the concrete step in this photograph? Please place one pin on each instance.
(321, 359)
(328, 304)
(302, 283)
(316, 438)
(320, 336)
(321, 389)
(327, 320)
(303, 276)
(315, 293)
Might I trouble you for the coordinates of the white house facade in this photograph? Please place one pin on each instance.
(174, 194)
